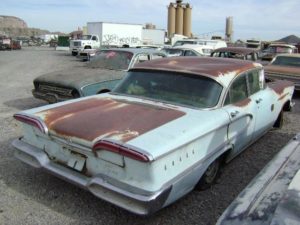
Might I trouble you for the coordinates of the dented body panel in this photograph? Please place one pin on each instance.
(143, 153)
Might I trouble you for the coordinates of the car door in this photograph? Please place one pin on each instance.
(242, 112)
(264, 99)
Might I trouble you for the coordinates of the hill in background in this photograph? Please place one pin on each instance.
(14, 27)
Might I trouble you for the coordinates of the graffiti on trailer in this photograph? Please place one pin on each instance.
(113, 39)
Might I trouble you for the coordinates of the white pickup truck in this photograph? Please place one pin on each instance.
(86, 42)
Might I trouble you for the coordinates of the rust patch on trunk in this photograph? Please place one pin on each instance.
(243, 103)
(279, 86)
(106, 118)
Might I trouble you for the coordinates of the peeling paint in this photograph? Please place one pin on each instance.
(107, 118)
(280, 85)
(214, 67)
(243, 103)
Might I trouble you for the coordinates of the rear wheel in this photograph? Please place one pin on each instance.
(210, 175)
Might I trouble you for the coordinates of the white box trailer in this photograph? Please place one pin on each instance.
(153, 36)
(116, 34)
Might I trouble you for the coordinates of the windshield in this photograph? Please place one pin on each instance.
(278, 49)
(286, 61)
(86, 37)
(173, 52)
(112, 59)
(180, 43)
(175, 88)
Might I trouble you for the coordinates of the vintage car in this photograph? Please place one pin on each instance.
(237, 53)
(188, 50)
(273, 49)
(273, 196)
(163, 131)
(285, 67)
(98, 76)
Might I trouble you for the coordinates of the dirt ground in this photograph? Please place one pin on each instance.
(30, 196)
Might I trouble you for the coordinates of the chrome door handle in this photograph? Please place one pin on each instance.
(233, 114)
(258, 100)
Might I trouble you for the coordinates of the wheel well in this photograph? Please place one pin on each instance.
(103, 91)
(287, 106)
(279, 121)
(87, 47)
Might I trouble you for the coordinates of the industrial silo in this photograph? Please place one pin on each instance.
(187, 21)
(179, 18)
(171, 19)
(229, 28)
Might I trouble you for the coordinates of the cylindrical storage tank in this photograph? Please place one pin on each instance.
(187, 21)
(171, 19)
(179, 19)
(229, 26)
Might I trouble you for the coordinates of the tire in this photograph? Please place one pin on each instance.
(74, 53)
(210, 176)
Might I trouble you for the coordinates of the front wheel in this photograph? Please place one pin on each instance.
(210, 176)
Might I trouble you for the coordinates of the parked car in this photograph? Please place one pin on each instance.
(273, 196)
(164, 130)
(98, 76)
(273, 49)
(16, 45)
(237, 53)
(188, 50)
(285, 67)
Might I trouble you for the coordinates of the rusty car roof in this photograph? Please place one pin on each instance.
(219, 69)
(237, 50)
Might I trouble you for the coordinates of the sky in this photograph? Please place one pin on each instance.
(258, 19)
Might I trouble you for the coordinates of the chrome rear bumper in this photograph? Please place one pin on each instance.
(133, 199)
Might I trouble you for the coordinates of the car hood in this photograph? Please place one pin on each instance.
(76, 77)
(153, 127)
(283, 69)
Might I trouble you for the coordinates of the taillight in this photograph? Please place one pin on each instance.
(31, 121)
(120, 149)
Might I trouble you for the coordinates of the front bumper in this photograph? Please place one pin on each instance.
(50, 97)
(128, 197)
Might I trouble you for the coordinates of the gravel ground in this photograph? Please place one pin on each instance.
(30, 196)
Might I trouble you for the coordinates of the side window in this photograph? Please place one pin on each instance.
(142, 58)
(94, 38)
(157, 56)
(190, 53)
(237, 91)
(254, 81)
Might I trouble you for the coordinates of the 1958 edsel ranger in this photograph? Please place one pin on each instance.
(164, 130)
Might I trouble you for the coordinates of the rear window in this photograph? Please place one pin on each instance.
(176, 88)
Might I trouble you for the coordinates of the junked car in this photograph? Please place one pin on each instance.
(273, 196)
(98, 76)
(273, 49)
(285, 67)
(237, 53)
(164, 130)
